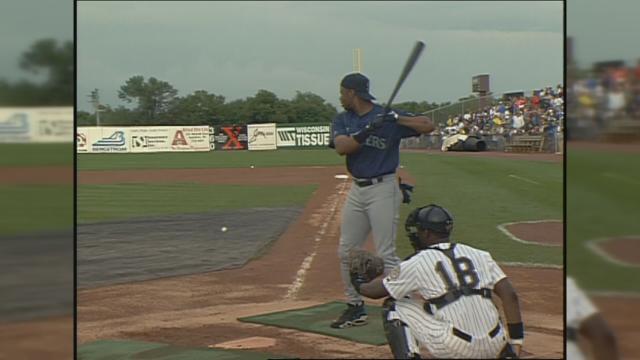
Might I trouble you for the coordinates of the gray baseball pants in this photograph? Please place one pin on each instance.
(374, 208)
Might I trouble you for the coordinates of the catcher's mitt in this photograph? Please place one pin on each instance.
(364, 267)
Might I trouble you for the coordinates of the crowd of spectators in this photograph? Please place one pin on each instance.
(602, 97)
(533, 115)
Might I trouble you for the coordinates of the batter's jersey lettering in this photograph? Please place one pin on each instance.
(430, 274)
(380, 154)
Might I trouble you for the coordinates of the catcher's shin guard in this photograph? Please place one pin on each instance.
(401, 342)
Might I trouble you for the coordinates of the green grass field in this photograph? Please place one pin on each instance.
(22, 155)
(602, 201)
(35, 208)
(124, 201)
(478, 191)
(481, 195)
(214, 159)
(28, 209)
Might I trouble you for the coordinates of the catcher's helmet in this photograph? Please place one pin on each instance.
(431, 217)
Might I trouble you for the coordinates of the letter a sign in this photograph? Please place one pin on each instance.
(179, 139)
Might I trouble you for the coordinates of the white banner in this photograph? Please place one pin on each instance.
(142, 139)
(286, 136)
(36, 124)
(261, 136)
(312, 135)
(108, 140)
(193, 138)
(82, 140)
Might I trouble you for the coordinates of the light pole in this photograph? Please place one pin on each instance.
(94, 99)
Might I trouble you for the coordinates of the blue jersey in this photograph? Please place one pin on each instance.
(380, 154)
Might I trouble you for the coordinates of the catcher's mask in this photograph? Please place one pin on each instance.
(431, 217)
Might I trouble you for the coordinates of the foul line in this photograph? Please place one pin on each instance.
(593, 245)
(503, 228)
(524, 179)
(615, 294)
(306, 263)
(533, 265)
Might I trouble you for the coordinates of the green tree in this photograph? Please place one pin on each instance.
(58, 60)
(198, 108)
(309, 107)
(233, 112)
(84, 118)
(153, 96)
(261, 108)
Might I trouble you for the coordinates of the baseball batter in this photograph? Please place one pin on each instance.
(586, 324)
(440, 298)
(370, 139)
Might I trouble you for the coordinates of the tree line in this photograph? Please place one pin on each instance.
(156, 102)
(49, 56)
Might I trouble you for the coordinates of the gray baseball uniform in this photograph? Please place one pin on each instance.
(373, 203)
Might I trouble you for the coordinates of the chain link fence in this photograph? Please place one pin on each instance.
(476, 104)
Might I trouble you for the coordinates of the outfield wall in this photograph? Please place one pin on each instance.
(36, 124)
(143, 139)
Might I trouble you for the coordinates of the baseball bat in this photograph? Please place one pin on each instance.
(411, 61)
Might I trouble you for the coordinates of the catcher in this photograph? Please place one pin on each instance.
(440, 297)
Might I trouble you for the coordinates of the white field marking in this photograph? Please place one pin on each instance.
(524, 179)
(292, 292)
(615, 294)
(503, 228)
(594, 246)
(622, 178)
(533, 265)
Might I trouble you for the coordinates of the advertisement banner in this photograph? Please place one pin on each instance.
(231, 137)
(151, 138)
(36, 124)
(303, 135)
(15, 125)
(261, 136)
(286, 136)
(82, 140)
(190, 138)
(53, 124)
(108, 140)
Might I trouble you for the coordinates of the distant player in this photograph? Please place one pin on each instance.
(440, 297)
(587, 331)
(370, 140)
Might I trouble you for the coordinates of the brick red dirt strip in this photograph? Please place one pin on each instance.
(240, 176)
(39, 339)
(36, 175)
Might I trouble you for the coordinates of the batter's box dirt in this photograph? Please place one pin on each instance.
(536, 232)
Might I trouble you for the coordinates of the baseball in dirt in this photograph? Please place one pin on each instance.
(251, 166)
(223, 229)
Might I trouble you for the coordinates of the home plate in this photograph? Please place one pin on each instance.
(246, 343)
(341, 176)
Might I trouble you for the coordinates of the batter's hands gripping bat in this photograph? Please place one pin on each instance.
(413, 58)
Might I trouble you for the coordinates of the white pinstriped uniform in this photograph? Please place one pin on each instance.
(579, 308)
(421, 278)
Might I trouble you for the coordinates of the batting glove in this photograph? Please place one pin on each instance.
(390, 116)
